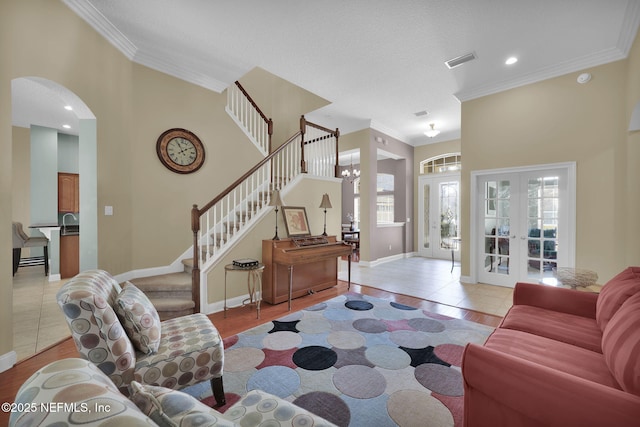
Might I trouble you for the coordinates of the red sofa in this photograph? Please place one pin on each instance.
(560, 357)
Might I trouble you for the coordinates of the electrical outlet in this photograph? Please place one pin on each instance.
(389, 247)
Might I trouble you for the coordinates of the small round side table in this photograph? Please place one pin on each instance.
(254, 285)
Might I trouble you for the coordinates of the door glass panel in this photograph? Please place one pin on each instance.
(497, 226)
(449, 215)
(425, 218)
(543, 213)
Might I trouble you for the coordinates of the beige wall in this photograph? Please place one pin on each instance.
(632, 145)
(6, 177)
(559, 120)
(281, 101)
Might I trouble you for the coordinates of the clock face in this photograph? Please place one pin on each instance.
(180, 151)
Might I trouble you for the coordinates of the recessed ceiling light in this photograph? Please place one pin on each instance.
(68, 107)
(511, 60)
(66, 126)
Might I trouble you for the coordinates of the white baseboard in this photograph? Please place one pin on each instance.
(54, 277)
(217, 306)
(387, 259)
(7, 360)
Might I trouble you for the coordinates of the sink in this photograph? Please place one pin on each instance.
(70, 230)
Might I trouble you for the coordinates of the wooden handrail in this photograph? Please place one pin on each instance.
(250, 172)
(252, 102)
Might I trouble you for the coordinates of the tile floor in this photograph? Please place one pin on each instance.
(37, 320)
(431, 279)
(39, 323)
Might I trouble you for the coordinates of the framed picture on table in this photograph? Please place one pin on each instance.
(295, 219)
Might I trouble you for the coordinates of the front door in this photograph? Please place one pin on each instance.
(439, 219)
(523, 226)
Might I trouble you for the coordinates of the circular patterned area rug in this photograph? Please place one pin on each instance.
(356, 361)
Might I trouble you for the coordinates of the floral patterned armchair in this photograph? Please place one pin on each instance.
(119, 330)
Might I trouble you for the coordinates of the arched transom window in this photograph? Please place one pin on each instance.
(440, 164)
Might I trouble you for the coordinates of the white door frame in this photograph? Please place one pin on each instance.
(475, 219)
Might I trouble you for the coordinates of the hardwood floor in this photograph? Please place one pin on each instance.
(238, 320)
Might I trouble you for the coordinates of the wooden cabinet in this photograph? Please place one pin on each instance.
(68, 192)
(69, 256)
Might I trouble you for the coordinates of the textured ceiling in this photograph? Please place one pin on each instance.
(377, 61)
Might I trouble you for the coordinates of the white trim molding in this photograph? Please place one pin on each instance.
(8, 360)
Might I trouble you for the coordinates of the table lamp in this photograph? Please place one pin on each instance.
(276, 201)
(326, 204)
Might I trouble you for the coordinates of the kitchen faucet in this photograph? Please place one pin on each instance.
(64, 217)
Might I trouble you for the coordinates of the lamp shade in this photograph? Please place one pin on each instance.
(325, 203)
(275, 199)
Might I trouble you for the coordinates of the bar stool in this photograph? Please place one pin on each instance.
(21, 240)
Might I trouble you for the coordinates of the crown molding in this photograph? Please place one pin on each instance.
(106, 29)
(180, 71)
(621, 51)
(588, 61)
(103, 26)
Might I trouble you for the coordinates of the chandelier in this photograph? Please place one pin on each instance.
(431, 133)
(350, 174)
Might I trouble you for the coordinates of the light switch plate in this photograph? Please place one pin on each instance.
(108, 210)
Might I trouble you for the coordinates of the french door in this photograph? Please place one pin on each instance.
(439, 216)
(523, 229)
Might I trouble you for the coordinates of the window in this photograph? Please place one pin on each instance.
(385, 198)
(446, 163)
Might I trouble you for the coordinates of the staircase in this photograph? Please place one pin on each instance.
(222, 222)
(169, 293)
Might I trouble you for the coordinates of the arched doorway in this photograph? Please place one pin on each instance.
(54, 130)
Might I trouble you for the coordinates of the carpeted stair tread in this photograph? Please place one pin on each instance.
(172, 282)
(169, 308)
(170, 304)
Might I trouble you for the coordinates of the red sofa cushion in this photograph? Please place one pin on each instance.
(568, 328)
(621, 345)
(561, 356)
(615, 292)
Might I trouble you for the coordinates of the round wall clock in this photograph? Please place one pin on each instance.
(180, 151)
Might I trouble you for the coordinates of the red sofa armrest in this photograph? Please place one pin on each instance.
(511, 391)
(563, 300)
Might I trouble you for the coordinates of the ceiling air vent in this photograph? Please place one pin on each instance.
(452, 63)
(421, 113)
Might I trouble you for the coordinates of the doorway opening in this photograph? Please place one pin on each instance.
(60, 133)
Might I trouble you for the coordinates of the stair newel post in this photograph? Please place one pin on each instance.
(270, 132)
(303, 127)
(337, 153)
(195, 274)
